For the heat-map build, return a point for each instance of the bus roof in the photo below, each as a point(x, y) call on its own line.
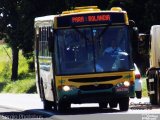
point(90, 9)
point(44, 21)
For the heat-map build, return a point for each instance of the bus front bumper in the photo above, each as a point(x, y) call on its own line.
point(76, 95)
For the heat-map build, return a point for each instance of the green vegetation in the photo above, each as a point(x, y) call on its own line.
point(144, 87)
point(25, 83)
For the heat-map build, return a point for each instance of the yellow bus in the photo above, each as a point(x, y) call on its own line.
point(76, 63)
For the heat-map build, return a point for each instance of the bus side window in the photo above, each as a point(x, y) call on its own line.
point(43, 43)
point(50, 39)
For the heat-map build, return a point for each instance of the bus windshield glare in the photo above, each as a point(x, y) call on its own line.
point(92, 50)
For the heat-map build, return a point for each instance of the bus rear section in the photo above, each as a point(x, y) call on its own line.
point(77, 63)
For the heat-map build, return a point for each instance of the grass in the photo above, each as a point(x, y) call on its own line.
point(25, 83)
point(5, 63)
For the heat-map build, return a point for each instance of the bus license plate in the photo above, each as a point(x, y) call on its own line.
point(122, 89)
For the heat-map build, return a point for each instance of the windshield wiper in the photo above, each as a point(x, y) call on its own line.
point(103, 31)
point(83, 35)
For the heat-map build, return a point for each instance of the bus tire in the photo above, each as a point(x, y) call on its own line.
point(155, 98)
point(47, 105)
point(124, 104)
point(63, 106)
point(139, 94)
point(60, 107)
point(152, 97)
point(113, 104)
point(103, 105)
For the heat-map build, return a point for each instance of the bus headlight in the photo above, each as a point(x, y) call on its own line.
point(126, 83)
point(66, 88)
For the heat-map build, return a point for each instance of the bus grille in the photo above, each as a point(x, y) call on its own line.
point(96, 87)
point(95, 79)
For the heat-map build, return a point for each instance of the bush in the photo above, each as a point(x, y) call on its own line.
point(5, 72)
point(21, 86)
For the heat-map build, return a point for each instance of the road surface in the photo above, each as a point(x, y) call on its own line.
point(28, 106)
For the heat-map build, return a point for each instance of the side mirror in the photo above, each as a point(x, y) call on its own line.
point(51, 40)
point(133, 27)
point(134, 32)
point(132, 23)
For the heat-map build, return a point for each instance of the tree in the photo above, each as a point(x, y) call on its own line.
point(17, 25)
point(12, 31)
point(151, 14)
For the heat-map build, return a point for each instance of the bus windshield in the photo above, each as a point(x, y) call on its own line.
point(92, 49)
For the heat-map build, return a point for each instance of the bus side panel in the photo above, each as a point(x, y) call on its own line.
point(44, 62)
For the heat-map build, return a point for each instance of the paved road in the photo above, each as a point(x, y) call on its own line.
point(29, 106)
point(12, 113)
point(21, 106)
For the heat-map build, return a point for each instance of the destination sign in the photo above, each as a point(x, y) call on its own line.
point(90, 19)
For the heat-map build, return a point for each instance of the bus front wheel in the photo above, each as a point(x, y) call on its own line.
point(124, 104)
point(47, 105)
point(113, 104)
point(103, 105)
point(62, 106)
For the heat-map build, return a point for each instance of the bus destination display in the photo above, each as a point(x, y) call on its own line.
point(90, 19)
